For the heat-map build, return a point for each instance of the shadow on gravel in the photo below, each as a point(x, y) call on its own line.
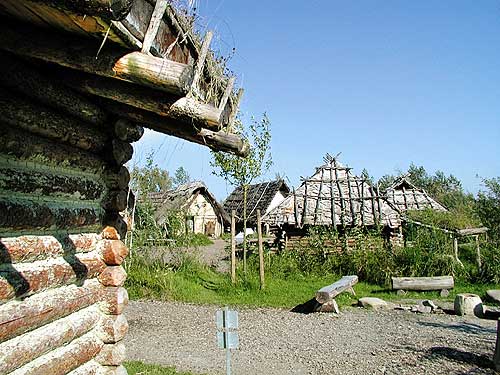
point(306, 307)
point(461, 356)
point(461, 327)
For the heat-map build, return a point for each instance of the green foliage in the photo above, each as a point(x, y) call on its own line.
point(181, 176)
point(139, 368)
point(488, 208)
point(451, 220)
point(150, 178)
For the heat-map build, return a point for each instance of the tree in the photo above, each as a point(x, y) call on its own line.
point(181, 176)
point(488, 207)
point(240, 171)
point(150, 178)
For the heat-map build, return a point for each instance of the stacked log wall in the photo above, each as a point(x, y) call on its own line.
point(62, 186)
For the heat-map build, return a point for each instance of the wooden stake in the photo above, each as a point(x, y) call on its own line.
point(478, 253)
point(154, 25)
point(261, 252)
point(227, 93)
point(233, 246)
point(200, 63)
point(234, 111)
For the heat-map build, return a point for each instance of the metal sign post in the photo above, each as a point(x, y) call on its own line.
point(227, 333)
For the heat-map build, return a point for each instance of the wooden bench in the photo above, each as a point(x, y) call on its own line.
point(329, 292)
point(442, 283)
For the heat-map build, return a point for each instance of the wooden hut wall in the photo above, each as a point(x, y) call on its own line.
point(62, 184)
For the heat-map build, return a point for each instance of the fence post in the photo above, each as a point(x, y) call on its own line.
point(233, 247)
point(261, 251)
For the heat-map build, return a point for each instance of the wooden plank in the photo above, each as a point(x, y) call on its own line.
point(329, 292)
point(423, 283)
point(113, 62)
point(107, 9)
point(200, 62)
point(227, 93)
point(154, 25)
point(25, 348)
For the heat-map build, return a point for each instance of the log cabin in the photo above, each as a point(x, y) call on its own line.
point(80, 81)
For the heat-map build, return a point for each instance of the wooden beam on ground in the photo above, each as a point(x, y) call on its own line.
point(423, 283)
point(185, 109)
point(154, 24)
point(218, 141)
point(113, 62)
point(24, 78)
point(107, 9)
point(329, 292)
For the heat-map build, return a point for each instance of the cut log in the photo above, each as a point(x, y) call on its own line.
point(18, 317)
point(114, 62)
point(122, 151)
point(113, 276)
point(187, 110)
point(115, 300)
point(127, 131)
point(32, 248)
point(51, 183)
point(107, 9)
point(89, 368)
point(25, 348)
point(20, 76)
point(112, 354)
point(28, 147)
point(114, 219)
point(24, 279)
point(113, 252)
point(62, 360)
point(423, 283)
point(115, 200)
point(112, 328)
point(218, 141)
point(329, 292)
point(468, 304)
point(117, 180)
point(113, 370)
point(23, 114)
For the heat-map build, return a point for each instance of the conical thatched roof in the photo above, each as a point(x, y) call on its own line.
point(405, 196)
point(334, 196)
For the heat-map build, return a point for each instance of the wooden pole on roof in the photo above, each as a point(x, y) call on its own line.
point(261, 252)
point(200, 63)
point(227, 93)
point(154, 25)
point(332, 199)
point(341, 195)
point(351, 201)
point(234, 111)
point(233, 246)
point(316, 210)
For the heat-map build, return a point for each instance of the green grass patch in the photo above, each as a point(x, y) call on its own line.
point(139, 368)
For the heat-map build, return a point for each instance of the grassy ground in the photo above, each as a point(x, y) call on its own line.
point(139, 368)
point(197, 284)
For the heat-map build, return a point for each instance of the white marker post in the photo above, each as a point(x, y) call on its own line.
point(227, 333)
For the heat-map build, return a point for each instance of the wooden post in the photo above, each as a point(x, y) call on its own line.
point(455, 250)
point(154, 24)
point(496, 358)
point(261, 251)
point(233, 247)
point(478, 253)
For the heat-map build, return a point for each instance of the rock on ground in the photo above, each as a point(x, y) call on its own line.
point(494, 294)
point(276, 341)
point(373, 303)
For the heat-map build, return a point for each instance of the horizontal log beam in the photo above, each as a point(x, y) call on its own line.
point(113, 252)
point(112, 354)
point(21, 214)
point(32, 248)
point(329, 292)
point(218, 141)
point(89, 368)
point(18, 317)
point(423, 283)
point(25, 78)
point(24, 279)
point(113, 276)
point(107, 9)
point(24, 114)
point(186, 109)
point(25, 348)
point(62, 360)
point(113, 62)
point(114, 301)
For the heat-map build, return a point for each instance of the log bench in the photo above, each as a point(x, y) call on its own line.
point(442, 283)
point(325, 296)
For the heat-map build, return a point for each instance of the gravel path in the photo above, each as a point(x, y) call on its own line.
point(274, 341)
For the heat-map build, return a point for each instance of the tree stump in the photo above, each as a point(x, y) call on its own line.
point(468, 304)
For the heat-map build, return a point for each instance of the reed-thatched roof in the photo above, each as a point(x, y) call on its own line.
point(405, 196)
point(181, 198)
point(334, 196)
point(259, 197)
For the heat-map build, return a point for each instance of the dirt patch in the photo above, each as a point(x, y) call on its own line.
point(275, 341)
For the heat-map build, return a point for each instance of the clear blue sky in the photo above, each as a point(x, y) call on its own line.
point(386, 83)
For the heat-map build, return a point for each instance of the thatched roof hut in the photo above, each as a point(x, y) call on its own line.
point(263, 196)
point(196, 203)
point(334, 196)
point(405, 196)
